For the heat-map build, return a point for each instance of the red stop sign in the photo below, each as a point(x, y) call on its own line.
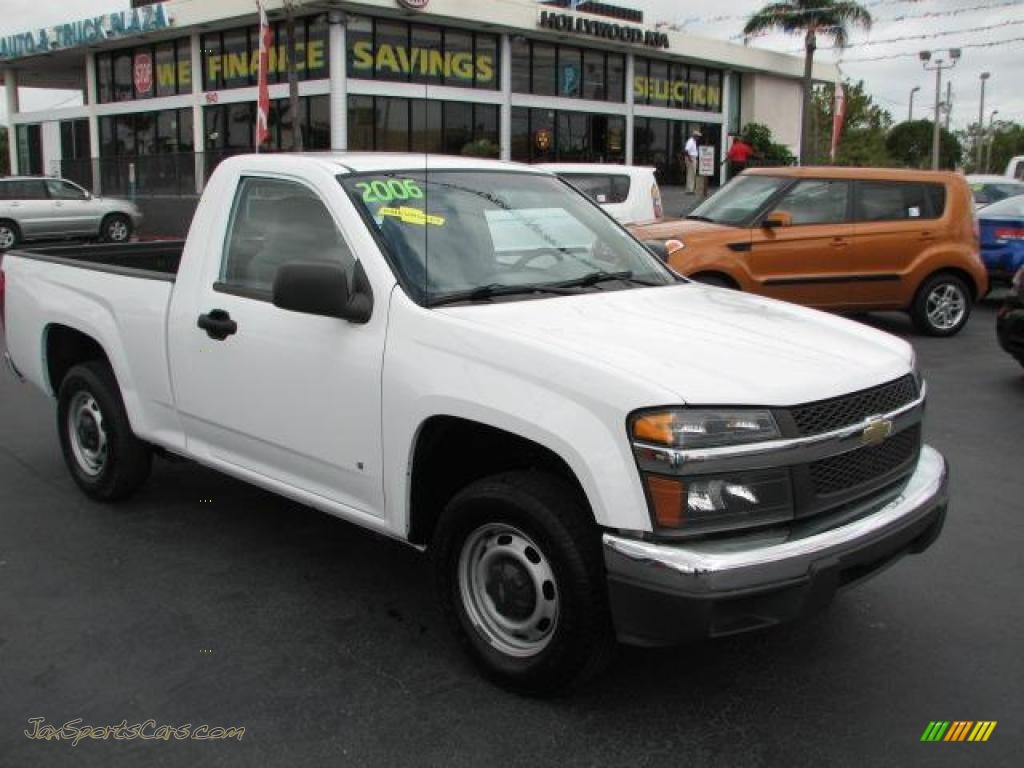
point(143, 70)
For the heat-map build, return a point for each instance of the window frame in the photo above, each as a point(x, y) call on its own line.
point(796, 182)
point(928, 197)
point(220, 284)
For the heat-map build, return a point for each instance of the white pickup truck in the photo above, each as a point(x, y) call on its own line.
point(471, 357)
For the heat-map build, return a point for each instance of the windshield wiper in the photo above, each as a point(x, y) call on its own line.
point(485, 292)
point(593, 278)
point(700, 218)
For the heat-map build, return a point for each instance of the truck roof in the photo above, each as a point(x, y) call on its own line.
point(361, 162)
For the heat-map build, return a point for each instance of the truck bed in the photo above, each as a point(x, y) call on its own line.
point(156, 260)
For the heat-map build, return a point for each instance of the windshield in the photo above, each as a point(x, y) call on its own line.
point(737, 202)
point(1010, 207)
point(474, 235)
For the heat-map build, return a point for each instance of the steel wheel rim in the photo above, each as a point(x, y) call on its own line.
point(87, 434)
point(6, 237)
point(946, 306)
point(508, 590)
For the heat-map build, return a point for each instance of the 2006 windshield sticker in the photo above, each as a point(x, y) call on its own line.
point(386, 191)
point(409, 215)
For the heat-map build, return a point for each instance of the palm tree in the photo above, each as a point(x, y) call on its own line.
point(832, 18)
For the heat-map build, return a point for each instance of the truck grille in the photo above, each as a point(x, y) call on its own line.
point(838, 412)
point(849, 470)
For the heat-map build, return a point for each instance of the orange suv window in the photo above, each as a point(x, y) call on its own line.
point(899, 200)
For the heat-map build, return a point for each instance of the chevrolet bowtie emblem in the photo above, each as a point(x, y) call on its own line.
point(876, 431)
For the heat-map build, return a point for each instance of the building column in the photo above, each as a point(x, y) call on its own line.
point(11, 93)
point(91, 100)
point(339, 82)
point(198, 120)
point(630, 70)
point(505, 111)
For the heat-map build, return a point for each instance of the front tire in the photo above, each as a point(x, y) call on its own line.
point(942, 305)
point(107, 461)
point(116, 228)
point(520, 577)
point(10, 235)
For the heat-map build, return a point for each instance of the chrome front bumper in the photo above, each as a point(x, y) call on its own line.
point(663, 593)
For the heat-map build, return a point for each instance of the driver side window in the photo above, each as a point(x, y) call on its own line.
point(816, 201)
point(276, 222)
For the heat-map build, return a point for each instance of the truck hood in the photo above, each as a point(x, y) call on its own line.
point(706, 345)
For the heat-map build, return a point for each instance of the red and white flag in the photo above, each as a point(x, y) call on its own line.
point(838, 115)
point(263, 87)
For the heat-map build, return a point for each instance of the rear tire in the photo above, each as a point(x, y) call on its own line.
point(107, 461)
point(942, 305)
point(116, 228)
point(520, 578)
point(10, 235)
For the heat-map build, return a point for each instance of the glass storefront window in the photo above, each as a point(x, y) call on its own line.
point(426, 126)
point(697, 90)
point(319, 131)
point(677, 94)
point(124, 88)
point(186, 142)
point(390, 38)
point(573, 136)
point(392, 124)
point(458, 55)
point(235, 59)
point(542, 135)
point(570, 72)
point(680, 86)
point(520, 64)
point(658, 85)
point(486, 60)
point(399, 51)
point(165, 71)
point(458, 126)
point(616, 77)
point(104, 78)
point(594, 75)
point(183, 65)
point(361, 123)
point(213, 72)
point(543, 69)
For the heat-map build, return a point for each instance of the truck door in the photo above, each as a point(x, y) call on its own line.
point(291, 397)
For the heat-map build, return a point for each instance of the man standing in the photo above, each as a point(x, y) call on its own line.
point(738, 156)
point(691, 153)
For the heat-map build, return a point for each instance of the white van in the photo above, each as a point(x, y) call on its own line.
point(629, 193)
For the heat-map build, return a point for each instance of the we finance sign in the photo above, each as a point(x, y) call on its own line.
point(95, 29)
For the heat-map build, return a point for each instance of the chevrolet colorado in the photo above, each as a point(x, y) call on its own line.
point(472, 357)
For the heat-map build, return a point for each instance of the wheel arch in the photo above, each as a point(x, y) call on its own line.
point(449, 452)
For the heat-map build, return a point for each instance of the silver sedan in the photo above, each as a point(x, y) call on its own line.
point(35, 208)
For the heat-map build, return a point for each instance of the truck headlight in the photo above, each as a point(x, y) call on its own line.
point(702, 504)
point(703, 428)
point(705, 504)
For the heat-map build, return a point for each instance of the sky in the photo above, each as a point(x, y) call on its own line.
point(947, 23)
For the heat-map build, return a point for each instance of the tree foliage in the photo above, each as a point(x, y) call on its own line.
point(862, 138)
point(910, 145)
point(766, 150)
point(831, 19)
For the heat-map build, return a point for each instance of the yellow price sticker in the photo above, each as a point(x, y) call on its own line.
point(409, 215)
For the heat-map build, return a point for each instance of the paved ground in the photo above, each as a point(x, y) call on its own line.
point(324, 643)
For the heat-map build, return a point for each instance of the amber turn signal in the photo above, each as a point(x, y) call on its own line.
point(667, 495)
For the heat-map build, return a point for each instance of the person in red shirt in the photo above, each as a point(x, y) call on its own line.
point(738, 156)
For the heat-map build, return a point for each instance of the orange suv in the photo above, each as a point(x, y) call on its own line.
point(843, 239)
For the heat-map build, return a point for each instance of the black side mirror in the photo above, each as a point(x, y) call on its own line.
point(322, 289)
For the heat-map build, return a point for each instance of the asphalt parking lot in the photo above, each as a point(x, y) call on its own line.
point(206, 601)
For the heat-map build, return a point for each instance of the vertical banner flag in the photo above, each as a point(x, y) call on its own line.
point(838, 114)
point(263, 88)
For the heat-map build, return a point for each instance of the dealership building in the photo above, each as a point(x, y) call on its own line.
point(169, 89)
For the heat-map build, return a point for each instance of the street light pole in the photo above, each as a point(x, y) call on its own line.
point(925, 56)
point(910, 113)
point(991, 139)
point(981, 121)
